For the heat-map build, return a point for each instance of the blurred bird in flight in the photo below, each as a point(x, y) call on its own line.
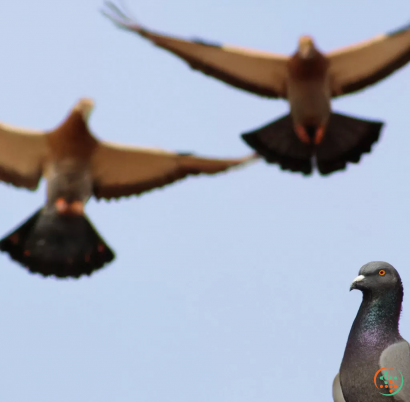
point(312, 134)
point(59, 239)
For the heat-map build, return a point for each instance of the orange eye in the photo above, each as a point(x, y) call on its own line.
point(382, 272)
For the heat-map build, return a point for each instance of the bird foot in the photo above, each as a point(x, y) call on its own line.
point(73, 208)
point(320, 132)
point(302, 134)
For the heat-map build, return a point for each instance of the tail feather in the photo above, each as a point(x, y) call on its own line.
point(346, 140)
point(61, 245)
point(278, 143)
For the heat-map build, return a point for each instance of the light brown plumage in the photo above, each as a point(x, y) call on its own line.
point(22, 154)
point(350, 69)
point(116, 170)
point(308, 79)
point(121, 171)
point(356, 67)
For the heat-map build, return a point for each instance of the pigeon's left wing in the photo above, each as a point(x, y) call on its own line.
point(397, 356)
point(261, 73)
point(356, 67)
point(120, 171)
point(337, 390)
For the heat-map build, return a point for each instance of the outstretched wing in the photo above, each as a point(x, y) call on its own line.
point(356, 67)
point(258, 72)
point(120, 171)
point(22, 152)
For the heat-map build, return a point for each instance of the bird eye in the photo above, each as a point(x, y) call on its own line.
point(382, 272)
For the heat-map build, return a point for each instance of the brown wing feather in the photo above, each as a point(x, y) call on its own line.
point(357, 67)
point(22, 153)
point(257, 72)
point(121, 171)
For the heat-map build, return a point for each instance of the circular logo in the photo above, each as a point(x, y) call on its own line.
point(389, 381)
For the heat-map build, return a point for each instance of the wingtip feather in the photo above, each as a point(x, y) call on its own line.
point(245, 161)
point(120, 17)
point(399, 30)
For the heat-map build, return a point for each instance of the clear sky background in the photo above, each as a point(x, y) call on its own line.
point(232, 288)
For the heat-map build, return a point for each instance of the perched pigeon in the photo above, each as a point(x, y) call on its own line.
point(59, 239)
point(308, 80)
point(376, 361)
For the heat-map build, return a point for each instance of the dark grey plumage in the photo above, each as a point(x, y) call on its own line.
point(374, 341)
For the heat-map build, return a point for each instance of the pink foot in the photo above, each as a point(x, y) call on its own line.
point(302, 134)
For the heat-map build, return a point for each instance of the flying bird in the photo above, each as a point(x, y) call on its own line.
point(375, 352)
point(311, 134)
point(59, 239)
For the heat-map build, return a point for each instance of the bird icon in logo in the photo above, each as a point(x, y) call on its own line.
point(389, 380)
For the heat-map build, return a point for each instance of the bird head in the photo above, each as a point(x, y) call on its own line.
point(84, 106)
point(376, 277)
point(306, 47)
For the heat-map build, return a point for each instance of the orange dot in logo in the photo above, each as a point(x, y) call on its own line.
point(391, 381)
point(391, 386)
point(381, 386)
point(386, 386)
point(391, 391)
point(395, 386)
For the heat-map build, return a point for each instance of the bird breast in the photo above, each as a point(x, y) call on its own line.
point(308, 89)
point(309, 100)
point(69, 179)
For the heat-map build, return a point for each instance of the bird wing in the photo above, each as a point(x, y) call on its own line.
point(337, 390)
point(120, 171)
point(261, 73)
point(356, 67)
point(22, 153)
point(397, 356)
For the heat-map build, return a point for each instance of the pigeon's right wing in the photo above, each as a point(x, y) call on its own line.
point(261, 73)
point(337, 390)
point(397, 356)
point(22, 153)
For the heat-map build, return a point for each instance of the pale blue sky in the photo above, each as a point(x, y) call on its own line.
point(225, 289)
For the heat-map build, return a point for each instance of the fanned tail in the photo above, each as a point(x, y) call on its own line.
point(54, 244)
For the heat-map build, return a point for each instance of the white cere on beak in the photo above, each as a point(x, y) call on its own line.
point(358, 279)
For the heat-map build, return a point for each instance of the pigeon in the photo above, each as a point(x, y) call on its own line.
point(311, 136)
point(58, 239)
point(376, 361)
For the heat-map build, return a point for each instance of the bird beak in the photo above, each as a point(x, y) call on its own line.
point(85, 107)
point(356, 281)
